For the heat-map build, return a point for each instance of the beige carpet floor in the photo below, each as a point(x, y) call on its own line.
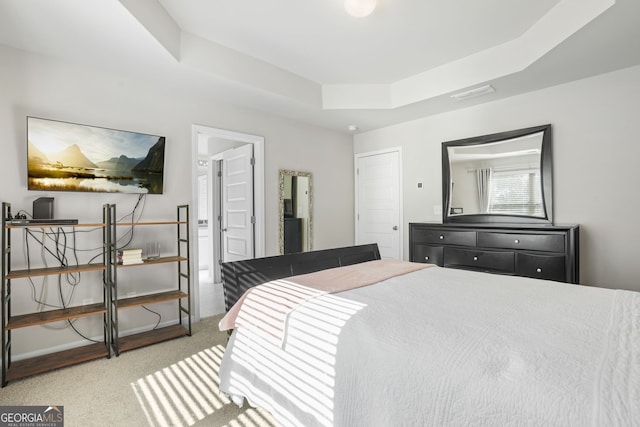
point(174, 383)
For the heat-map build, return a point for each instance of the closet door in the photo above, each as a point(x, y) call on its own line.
point(378, 201)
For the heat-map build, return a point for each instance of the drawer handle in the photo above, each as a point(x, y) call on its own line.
point(426, 258)
point(538, 270)
point(441, 237)
point(516, 241)
point(475, 258)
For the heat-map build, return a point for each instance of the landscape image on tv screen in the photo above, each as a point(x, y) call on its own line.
point(72, 157)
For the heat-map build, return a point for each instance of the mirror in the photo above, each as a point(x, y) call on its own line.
point(295, 212)
point(503, 177)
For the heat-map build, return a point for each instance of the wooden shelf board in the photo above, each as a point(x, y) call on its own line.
point(133, 224)
point(150, 299)
point(48, 362)
point(49, 316)
point(160, 260)
point(53, 225)
point(142, 339)
point(19, 274)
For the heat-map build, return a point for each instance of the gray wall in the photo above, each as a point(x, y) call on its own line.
point(596, 169)
point(33, 85)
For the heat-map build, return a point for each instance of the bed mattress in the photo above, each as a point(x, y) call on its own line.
point(446, 347)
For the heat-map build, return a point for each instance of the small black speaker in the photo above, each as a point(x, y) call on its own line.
point(43, 208)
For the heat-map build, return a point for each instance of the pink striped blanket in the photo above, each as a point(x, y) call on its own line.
point(267, 306)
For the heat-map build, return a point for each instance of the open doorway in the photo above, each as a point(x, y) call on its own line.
point(209, 144)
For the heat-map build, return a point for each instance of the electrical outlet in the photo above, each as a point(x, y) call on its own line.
point(437, 209)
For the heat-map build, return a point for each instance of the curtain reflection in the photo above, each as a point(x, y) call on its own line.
point(484, 188)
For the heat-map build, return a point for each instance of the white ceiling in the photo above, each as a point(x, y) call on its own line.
point(320, 42)
point(310, 61)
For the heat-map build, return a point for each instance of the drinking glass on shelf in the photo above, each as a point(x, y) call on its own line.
point(152, 250)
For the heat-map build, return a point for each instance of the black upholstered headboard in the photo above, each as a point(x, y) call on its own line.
point(238, 276)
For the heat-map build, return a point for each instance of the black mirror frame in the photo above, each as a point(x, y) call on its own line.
point(545, 172)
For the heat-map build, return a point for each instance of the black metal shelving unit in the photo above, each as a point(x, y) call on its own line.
point(113, 342)
point(181, 294)
point(12, 370)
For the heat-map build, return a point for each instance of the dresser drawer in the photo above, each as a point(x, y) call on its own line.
point(495, 261)
point(428, 254)
point(549, 267)
point(532, 242)
point(444, 237)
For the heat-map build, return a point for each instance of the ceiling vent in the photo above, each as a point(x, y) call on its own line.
point(479, 91)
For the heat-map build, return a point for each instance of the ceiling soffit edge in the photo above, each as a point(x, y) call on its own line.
point(565, 19)
point(152, 16)
point(228, 64)
point(219, 61)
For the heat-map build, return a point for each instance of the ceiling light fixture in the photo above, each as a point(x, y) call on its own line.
point(479, 91)
point(360, 8)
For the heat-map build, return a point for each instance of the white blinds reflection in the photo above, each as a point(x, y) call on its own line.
point(516, 192)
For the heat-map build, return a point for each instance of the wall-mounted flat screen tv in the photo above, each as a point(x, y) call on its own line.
point(73, 157)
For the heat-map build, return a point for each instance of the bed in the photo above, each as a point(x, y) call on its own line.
point(425, 345)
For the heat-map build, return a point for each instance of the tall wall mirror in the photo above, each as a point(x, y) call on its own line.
point(503, 177)
point(295, 213)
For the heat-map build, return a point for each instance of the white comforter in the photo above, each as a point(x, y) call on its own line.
point(445, 347)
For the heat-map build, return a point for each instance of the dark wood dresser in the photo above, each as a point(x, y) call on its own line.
point(543, 252)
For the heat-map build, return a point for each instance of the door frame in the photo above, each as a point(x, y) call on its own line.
point(258, 195)
point(356, 158)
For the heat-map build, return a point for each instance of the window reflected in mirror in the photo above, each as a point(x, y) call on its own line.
point(497, 178)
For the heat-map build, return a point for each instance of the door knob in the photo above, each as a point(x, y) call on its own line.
point(395, 227)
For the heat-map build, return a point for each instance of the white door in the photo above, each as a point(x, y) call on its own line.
point(237, 204)
point(215, 217)
point(379, 202)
